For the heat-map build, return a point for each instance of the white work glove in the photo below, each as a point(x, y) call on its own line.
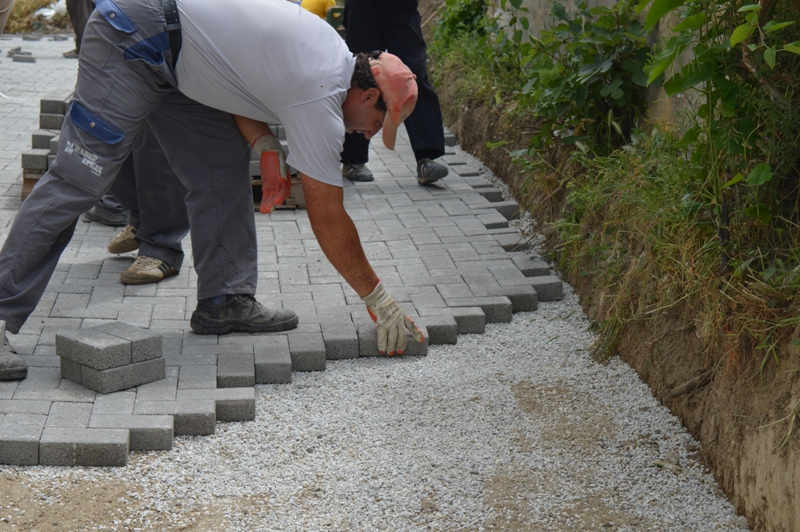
point(276, 183)
point(392, 322)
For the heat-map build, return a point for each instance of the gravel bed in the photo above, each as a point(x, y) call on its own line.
point(516, 429)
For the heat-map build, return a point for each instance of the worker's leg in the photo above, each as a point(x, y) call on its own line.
point(113, 97)
point(79, 12)
point(364, 34)
point(162, 199)
point(213, 164)
point(206, 150)
point(401, 22)
point(5, 11)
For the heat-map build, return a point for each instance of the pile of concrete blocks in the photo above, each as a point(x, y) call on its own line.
point(110, 357)
point(44, 141)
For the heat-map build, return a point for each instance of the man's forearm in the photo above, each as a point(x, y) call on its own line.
point(337, 235)
point(251, 129)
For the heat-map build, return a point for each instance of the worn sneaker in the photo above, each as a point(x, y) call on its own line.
point(12, 366)
point(124, 241)
point(146, 270)
point(114, 219)
point(429, 172)
point(240, 313)
point(357, 172)
point(72, 54)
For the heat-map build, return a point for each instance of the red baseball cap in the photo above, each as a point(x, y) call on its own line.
point(398, 86)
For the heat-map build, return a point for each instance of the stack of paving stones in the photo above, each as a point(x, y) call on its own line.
point(110, 357)
point(446, 252)
point(44, 141)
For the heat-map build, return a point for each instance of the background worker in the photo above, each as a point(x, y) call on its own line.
point(318, 7)
point(314, 87)
point(158, 221)
point(79, 12)
point(5, 11)
point(395, 27)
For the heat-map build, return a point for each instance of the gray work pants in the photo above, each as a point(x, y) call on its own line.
point(148, 187)
point(125, 80)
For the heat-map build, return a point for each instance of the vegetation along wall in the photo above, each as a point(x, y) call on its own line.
point(656, 142)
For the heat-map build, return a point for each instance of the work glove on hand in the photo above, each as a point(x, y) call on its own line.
point(276, 183)
point(392, 322)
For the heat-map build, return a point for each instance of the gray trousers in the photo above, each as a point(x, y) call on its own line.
point(148, 187)
point(125, 81)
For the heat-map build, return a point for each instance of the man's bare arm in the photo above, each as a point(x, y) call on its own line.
point(251, 129)
point(337, 235)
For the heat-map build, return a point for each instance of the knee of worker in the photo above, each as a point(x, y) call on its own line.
point(54, 204)
point(91, 151)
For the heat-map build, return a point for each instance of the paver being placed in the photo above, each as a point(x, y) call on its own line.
point(449, 253)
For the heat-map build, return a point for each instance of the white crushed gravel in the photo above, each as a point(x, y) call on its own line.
point(516, 429)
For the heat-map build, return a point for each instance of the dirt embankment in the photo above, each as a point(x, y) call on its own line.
point(741, 420)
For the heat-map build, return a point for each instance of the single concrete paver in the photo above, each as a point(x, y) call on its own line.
point(446, 252)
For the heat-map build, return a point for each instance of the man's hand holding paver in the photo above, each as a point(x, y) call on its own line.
point(392, 322)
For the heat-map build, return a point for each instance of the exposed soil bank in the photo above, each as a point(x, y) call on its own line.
point(726, 407)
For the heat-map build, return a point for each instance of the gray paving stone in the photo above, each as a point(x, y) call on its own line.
point(35, 159)
point(341, 341)
point(308, 351)
point(493, 220)
point(548, 287)
point(491, 194)
point(18, 58)
point(84, 447)
point(51, 120)
point(512, 241)
point(236, 370)
point(530, 267)
point(53, 105)
point(197, 377)
point(164, 390)
point(69, 415)
point(147, 433)
point(509, 209)
point(94, 349)
point(441, 329)
point(19, 438)
point(79, 395)
point(71, 370)
point(496, 309)
point(40, 139)
point(145, 345)
point(24, 406)
point(7, 389)
point(232, 404)
point(190, 417)
point(123, 377)
point(273, 362)
point(469, 320)
point(118, 403)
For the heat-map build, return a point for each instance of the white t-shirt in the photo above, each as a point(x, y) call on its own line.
point(270, 60)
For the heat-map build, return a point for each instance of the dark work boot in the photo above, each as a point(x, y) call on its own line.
point(12, 366)
point(357, 172)
point(240, 313)
point(429, 172)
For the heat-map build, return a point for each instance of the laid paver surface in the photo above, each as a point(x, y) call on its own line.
point(445, 252)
